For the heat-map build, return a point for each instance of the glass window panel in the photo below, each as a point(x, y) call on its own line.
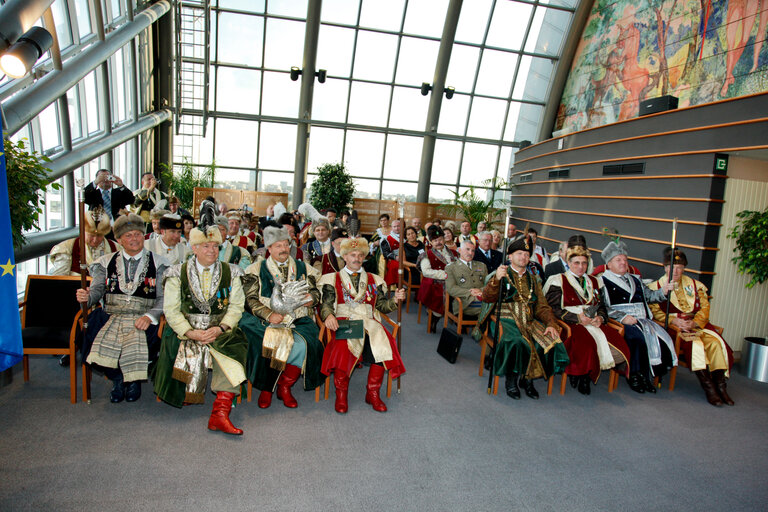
point(238, 90)
point(285, 44)
point(512, 116)
point(445, 163)
point(369, 104)
point(496, 72)
point(403, 157)
point(547, 31)
point(510, 20)
point(243, 5)
point(92, 103)
point(441, 194)
point(461, 70)
point(505, 163)
point(363, 153)
point(375, 56)
point(53, 209)
point(367, 189)
point(325, 147)
point(83, 13)
point(49, 127)
point(334, 50)
point(473, 20)
point(409, 109)
point(478, 164)
point(417, 61)
point(562, 3)
point(453, 115)
point(61, 20)
point(197, 150)
point(383, 15)
point(281, 95)
point(399, 191)
point(528, 122)
point(533, 79)
point(425, 17)
point(236, 142)
point(233, 31)
point(277, 147)
point(487, 118)
point(276, 182)
point(73, 102)
point(330, 100)
point(115, 9)
point(238, 179)
point(340, 11)
point(117, 80)
point(295, 8)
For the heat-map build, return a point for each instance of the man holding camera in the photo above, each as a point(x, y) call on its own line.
point(148, 196)
point(108, 190)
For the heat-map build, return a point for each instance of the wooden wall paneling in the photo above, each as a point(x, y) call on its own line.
point(369, 210)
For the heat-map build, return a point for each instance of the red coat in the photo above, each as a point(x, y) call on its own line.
point(432, 291)
point(390, 274)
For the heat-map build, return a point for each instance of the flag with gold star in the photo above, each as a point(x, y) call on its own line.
point(10, 334)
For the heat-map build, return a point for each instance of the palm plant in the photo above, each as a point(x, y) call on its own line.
point(474, 208)
point(184, 179)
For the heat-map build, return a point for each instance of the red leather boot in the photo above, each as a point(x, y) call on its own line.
point(287, 379)
point(220, 414)
point(375, 376)
point(265, 399)
point(341, 383)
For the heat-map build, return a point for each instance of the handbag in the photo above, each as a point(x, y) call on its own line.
point(449, 345)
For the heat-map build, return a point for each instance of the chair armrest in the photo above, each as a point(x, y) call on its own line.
point(565, 329)
point(616, 325)
point(392, 324)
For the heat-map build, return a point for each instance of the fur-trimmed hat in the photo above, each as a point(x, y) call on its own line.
point(221, 220)
point(434, 232)
point(521, 244)
point(577, 250)
point(680, 257)
point(97, 222)
point(157, 213)
point(126, 223)
point(171, 221)
point(273, 234)
point(354, 244)
point(211, 234)
point(612, 250)
point(234, 214)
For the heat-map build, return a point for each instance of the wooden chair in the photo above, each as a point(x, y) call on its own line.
point(460, 320)
point(679, 352)
point(613, 376)
point(429, 316)
point(411, 289)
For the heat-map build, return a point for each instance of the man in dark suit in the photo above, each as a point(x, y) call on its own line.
point(491, 258)
point(108, 190)
point(558, 266)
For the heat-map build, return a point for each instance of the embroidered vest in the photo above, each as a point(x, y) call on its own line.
point(219, 302)
point(147, 289)
point(571, 296)
point(370, 293)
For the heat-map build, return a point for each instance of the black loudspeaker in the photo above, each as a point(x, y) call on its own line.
point(660, 104)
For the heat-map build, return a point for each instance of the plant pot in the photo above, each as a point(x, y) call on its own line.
point(755, 362)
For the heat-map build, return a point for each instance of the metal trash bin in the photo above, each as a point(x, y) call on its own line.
point(755, 362)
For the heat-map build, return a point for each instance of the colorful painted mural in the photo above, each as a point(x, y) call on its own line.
point(697, 50)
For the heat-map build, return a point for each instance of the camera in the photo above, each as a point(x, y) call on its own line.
point(111, 178)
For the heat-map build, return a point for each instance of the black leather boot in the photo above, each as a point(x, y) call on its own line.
point(117, 394)
point(132, 391)
point(636, 383)
point(584, 387)
point(650, 387)
point(530, 391)
point(513, 390)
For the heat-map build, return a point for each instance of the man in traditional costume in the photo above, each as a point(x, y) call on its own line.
point(318, 252)
point(359, 296)
point(155, 215)
point(530, 347)
point(592, 346)
point(709, 355)
point(121, 337)
point(651, 350)
point(65, 256)
point(235, 235)
point(390, 246)
point(252, 230)
point(169, 244)
point(229, 253)
point(432, 263)
point(465, 279)
point(148, 197)
point(465, 233)
point(281, 294)
point(204, 303)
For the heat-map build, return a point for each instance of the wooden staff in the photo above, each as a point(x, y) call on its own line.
point(83, 260)
point(400, 254)
point(492, 355)
point(671, 268)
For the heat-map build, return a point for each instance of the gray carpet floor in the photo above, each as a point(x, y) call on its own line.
point(444, 445)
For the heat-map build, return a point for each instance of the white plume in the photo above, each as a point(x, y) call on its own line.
point(309, 212)
point(279, 210)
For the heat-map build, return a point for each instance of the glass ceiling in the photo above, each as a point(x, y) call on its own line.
point(370, 113)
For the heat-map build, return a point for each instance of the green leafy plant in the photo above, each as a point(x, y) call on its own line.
point(28, 178)
point(751, 235)
point(182, 181)
point(474, 208)
point(333, 188)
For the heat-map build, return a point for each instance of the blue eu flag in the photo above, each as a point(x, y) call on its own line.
point(10, 334)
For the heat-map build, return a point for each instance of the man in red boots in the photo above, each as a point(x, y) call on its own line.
point(204, 304)
point(358, 298)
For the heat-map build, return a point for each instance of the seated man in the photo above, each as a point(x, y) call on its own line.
point(592, 345)
point(281, 294)
point(169, 244)
point(65, 256)
point(121, 337)
point(651, 350)
point(707, 352)
point(465, 279)
point(148, 197)
point(390, 246)
point(154, 218)
point(234, 233)
point(174, 206)
point(557, 265)
point(357, 295)
point(204, 302)
point(252, 230)
point(229, 253)
point(286, 220)
point(489, 257)
point(318, 252)
point(466, 233)
point(432, 263)
point(530, 347)
point(539, 254)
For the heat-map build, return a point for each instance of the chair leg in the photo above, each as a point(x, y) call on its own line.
point(672, 378)
point(327, 386)
point(72, 377)
point(482, 357)
point(418, 318)
point(496, 385)
point(562, 384)
point(86, 383)
point(611, 383)
point(429, 320)
point(389, 385)
point(408, 301)
point(25, 365)
point(249, 387)
point(550, 381)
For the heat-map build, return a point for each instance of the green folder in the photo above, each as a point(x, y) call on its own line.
point(350, 329)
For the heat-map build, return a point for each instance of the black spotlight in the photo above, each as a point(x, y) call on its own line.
point(449, 92)
point(425, 88)
point(22, 55)
point(295, 72)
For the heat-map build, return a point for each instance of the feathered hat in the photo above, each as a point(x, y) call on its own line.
point(318, 219)
point(279, 210)
point(355, 242)
point(207, 230)
point(97, 222)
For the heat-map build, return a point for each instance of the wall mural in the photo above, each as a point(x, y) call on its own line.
point(697, 50)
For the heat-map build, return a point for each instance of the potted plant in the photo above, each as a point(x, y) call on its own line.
point(27, 177)
point(474, 208)
point(333, 188)
point(183, 181)
point(751, 235)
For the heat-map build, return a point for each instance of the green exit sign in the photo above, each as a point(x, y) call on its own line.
point(721, 163)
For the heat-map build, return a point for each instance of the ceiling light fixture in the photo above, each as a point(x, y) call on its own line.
point(17, 60)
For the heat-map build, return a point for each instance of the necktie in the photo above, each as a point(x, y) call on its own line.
point(488, 255)
point(206, 284)
point(107, 199)
point(132, 264)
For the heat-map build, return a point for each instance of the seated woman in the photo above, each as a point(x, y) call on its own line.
point(706, 351)
point(450, 239)
point(496, 240)
point(382, 231)
point(592, 346)
point(413, 247)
